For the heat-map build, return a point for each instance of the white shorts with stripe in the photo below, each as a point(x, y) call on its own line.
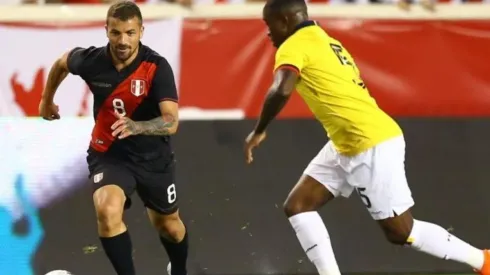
point(378, 175)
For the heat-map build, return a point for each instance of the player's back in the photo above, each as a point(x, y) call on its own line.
point(331, 86)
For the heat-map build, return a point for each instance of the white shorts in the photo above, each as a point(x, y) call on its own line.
point(378, 175)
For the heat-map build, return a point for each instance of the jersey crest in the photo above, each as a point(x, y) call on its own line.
point(138, 87)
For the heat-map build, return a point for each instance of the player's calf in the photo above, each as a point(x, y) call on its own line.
point(397, 229)
point(169, 226)
point(432, 239)
point(300, 207)
point(174, 238)
point(109, 206)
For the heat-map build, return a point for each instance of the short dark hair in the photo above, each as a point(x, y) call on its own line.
point(281, 5)
point(124, 10)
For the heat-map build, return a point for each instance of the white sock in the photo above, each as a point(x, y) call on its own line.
point(437, 241)
point(313, 237)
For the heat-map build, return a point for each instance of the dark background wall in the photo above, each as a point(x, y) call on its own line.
point(234, 213)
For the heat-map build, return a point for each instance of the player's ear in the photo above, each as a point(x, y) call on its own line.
point(285, 20)
point(106, 31)
point(142, 31)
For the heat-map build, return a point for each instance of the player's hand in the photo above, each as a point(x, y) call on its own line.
point(49, 110)
point(253, 140)
point(124, 127)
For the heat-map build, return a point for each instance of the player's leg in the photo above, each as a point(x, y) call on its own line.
point(159, 194)
point(321, 182)
point(433, 240)
point(174, 238)
point(382, 184)
point(111, 184)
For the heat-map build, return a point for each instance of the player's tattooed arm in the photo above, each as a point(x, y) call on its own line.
point(164, 125)
point(285, 80)
point(160, 126)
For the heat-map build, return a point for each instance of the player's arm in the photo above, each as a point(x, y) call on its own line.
point(290, 60)
point(285, 79)
point(165, 125)
point(58, 72)
point(69, 62)
point(163, 91)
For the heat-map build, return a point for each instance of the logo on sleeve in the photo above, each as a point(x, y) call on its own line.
point(98, 177)
point(138, 87)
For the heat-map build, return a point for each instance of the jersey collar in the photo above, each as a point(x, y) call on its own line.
point(305, 24)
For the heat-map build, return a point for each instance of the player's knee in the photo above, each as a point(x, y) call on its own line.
point(109, 215)
point(307, 195)
point(170, 226)
point(109, 209)
point(174, 231)
point(398, 229)
point(397, 237)
point(293, 207)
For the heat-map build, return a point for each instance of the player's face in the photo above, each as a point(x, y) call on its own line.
point(124, 37)
point(278, 28)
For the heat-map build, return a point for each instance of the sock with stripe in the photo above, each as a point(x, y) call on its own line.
point(437, 241)
point(315, 241)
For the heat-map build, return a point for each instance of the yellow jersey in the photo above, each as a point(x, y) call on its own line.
point(331, 86)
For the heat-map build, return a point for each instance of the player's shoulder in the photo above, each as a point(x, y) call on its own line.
point(298, 42)
point(290, 44)
point(82, 61)
point(87, 53)
point(152, 56)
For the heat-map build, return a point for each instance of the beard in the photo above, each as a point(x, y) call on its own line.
point(123, 53)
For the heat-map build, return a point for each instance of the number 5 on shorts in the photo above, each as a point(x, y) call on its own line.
point(363, 196)
point(171, 193)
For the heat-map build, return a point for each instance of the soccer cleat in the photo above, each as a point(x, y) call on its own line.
point(485, 270)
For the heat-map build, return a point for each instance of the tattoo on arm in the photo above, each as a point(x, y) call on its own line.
point(160, 126)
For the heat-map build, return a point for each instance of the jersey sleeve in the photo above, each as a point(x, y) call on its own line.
point(78, 60)
point(291, 56)
point(163, 86)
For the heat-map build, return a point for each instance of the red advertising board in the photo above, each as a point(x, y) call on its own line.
point(412, 67)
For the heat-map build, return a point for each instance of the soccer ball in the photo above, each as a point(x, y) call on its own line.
point(59, 272)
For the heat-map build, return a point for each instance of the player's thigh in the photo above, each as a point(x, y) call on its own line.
point(157, 188)
point(325, 168)
point(321, 181)
point(112, 183)
point(379, 177)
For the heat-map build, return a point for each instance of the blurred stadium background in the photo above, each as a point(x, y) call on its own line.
point(425, 61)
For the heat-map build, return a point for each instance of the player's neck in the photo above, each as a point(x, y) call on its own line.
point(300, 19)
point(120, 65)
point(297, 20)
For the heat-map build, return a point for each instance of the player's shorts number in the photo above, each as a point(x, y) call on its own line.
point(365, 199)
point(171, 193)
point(118, 105)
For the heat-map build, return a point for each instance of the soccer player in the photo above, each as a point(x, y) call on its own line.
point(366, 150)
point(136, 113)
